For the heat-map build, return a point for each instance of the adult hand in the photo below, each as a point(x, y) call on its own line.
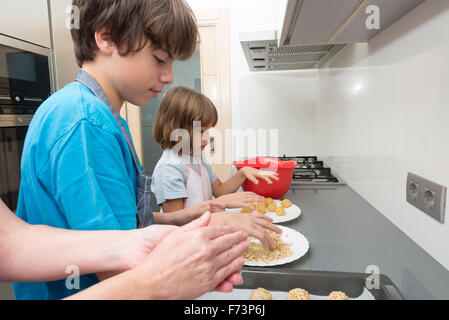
point(133, 247)
point(195, 259)
point(254, 224)
point(240, 199)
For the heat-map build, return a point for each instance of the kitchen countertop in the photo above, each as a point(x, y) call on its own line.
point(348, 234)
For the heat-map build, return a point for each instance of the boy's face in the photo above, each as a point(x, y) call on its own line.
point(140, 76)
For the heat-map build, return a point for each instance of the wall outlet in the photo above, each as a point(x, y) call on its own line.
point(427, 196)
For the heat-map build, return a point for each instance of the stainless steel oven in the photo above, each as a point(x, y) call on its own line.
point(25, 82)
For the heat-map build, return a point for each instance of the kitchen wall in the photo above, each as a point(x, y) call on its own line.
point(382, 111)
point(376, 111)
point(267, 100)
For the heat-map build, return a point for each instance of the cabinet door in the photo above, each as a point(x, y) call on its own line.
point(26, 20)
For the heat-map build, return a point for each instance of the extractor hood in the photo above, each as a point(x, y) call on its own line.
point(315, 30)
point(263, 54)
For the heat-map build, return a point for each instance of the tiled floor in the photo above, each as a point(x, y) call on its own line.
point(6, 292)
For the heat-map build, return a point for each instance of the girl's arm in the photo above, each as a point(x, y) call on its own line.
point(234, 183)
point(175, 213)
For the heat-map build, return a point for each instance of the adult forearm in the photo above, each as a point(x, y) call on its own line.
point(42, 253)
point(127, 285)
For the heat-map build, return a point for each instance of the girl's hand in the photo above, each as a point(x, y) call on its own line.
point(254, 224)
point(239, 199)
point(253, 174)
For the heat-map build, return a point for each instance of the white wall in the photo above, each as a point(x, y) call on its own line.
point(267, 100)
point(378, 111)
point(383, 111)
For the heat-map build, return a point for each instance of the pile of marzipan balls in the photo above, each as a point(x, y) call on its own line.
point(294, 294)
point(269, 204)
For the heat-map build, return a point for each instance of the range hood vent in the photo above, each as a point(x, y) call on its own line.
point(314, 30)
point(263, 54)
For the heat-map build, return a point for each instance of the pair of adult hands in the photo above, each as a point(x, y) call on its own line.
point(201, 256)
point(185, 262)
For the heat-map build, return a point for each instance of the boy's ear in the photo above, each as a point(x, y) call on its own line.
point(104, 42)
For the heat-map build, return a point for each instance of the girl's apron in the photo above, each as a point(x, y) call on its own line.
point(198, 185)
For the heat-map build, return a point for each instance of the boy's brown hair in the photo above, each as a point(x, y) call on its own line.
point(169, 25)
point(180, 107)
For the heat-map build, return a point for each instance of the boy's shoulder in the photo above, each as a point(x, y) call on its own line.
point(68, 106)
point(75, 101)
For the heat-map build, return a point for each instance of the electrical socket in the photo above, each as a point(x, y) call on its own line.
point(427, 196)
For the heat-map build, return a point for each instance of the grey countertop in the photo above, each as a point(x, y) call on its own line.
point(348, 234)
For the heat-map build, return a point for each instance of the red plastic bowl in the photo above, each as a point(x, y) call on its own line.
point(277, 189)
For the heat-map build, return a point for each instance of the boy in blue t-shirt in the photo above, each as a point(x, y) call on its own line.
point(78, 169)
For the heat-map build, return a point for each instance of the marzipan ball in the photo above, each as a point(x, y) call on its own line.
point(246, 210)
point(260, 294)
point(280, 211)
point(272, 207)
point(298, 294)
point(261, 207)
point(338, 295)
point(286, 203)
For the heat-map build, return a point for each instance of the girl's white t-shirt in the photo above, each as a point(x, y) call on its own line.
point(170, 175)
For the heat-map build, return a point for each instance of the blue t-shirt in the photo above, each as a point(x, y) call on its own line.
point(77, 173)
point(170, 176)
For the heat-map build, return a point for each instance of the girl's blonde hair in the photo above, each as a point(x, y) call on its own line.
point(180, 107)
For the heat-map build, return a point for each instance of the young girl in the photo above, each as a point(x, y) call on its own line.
point(183, 177)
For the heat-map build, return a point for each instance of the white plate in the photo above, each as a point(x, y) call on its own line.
point(299, 247)
point(291, 213)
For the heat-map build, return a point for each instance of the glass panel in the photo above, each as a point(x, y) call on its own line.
point(22, 67)
point(186, 73)
point(11, 146)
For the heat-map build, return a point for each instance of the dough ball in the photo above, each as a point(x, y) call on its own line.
point(246, 210)
point(260, 294)
point(286, 203)
point(298, 294)
point(280, 211)
point(272, 207)
point(252, 205)
point(261, 209)
point(268, 201)
point(338, 295)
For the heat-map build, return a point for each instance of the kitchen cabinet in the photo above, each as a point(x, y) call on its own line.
point(26, 20)
point(66, 68)
point(314, 21)
point(343, 21)
point(313, 31)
